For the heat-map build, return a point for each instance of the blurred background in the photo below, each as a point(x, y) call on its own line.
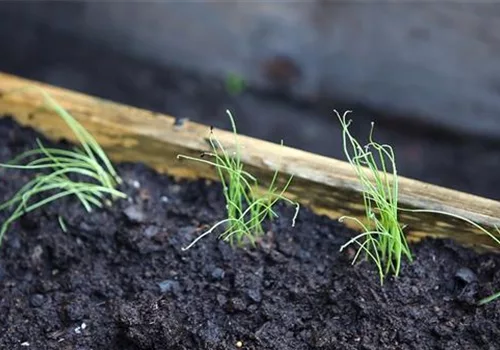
point(427, 73)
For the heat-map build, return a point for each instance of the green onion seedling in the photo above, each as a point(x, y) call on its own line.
point(382, 239)
point(62, 224)
point(246, 207)
point(88, 162)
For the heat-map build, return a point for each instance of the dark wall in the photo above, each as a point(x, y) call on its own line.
point(41, 51)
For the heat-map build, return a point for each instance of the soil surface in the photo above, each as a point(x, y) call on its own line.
point(118, 278)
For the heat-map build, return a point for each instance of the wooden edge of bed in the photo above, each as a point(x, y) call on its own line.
point(326, 185)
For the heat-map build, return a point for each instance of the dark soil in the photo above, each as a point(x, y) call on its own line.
point(118, 279)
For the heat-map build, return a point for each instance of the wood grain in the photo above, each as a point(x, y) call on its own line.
point(327, 185)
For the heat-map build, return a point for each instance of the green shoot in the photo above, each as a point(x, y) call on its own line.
point(382, 240)
point(59, 167)
point(246, 208)
point(62, 224)
point(489, 299)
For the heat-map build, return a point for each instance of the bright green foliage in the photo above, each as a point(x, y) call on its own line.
point(489, 299)
point(59, 167)
point(382, 239)
point(246, 207)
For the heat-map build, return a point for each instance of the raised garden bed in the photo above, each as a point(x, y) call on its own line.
point(119, 279)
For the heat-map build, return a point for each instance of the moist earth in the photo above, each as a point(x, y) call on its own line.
point(119, 279)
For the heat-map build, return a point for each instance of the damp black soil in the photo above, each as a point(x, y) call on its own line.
point(118, 279)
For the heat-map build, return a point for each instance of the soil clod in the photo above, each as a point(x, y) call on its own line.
point(135, 214)
point(170, 286)
point(466, 275)
point(37, 300)
point(218, 274)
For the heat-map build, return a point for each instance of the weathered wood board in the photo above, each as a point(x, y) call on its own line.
point(327, 185)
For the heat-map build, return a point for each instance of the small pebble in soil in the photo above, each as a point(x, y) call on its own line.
point(239, 344)
point(254, 295)
point(37, 300)
point(320, 268)
point(135, 214)
point(175, 188)
point(79, 329)
point(218, 274)
point(221, 300)
point(466, 275)
point(151, 231)
point(170, 286)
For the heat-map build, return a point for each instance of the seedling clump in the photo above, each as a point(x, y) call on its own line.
point(382, 239)
point(84, 172)
point(246, 206)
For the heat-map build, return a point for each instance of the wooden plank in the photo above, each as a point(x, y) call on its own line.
point(327, 185)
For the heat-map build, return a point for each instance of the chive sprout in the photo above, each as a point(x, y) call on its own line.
point(59, 169)
point(246, 207)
